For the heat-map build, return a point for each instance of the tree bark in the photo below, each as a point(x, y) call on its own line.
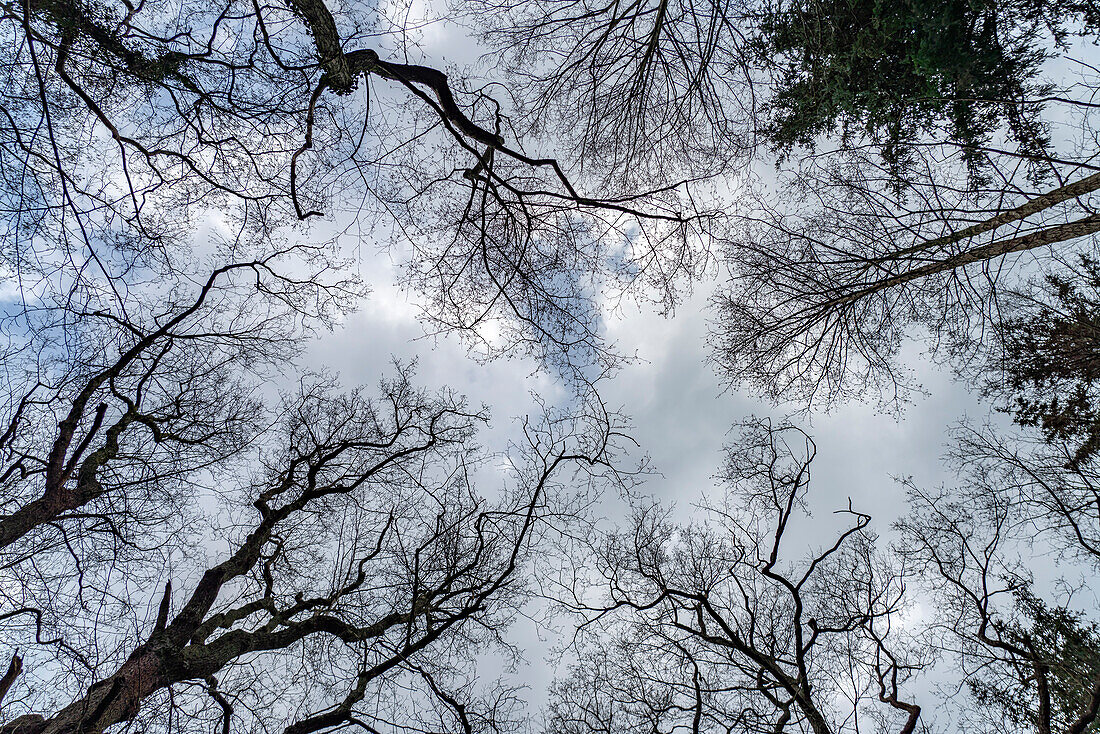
point(110, 701)
point(1048, 236)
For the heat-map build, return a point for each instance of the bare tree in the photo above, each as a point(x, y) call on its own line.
point(1031, 662)
point(339, 568)
point(645, 91)
point(121, 399)
point(100, 397)
point(720, 626)
point(126, 125)
point(357, 565)
point(828, 280)
point(333, 561)
point(945, 170)
point(716, 626)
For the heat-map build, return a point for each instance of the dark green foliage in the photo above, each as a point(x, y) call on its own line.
point(1052, 359)
point(1062, 649)
point(894, 70)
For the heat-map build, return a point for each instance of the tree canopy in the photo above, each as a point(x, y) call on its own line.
point(897, 72)
point(202, 528)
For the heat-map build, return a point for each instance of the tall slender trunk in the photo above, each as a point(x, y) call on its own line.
point(1048, 236)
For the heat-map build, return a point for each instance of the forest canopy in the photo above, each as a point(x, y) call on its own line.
point(204, 527)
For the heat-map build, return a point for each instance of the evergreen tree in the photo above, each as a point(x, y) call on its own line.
point(1052, 358)
point(896, 71)
point(1056, 685)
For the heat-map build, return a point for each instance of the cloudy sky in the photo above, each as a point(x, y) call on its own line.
point(680, 412)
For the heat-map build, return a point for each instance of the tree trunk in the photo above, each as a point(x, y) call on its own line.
point(1048, 236)
point(108, 702)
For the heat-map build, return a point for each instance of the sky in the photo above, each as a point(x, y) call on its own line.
point(680, 412)
point(681, 416)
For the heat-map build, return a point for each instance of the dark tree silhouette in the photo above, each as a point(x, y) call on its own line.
point(1066, 651)
point(1047, 374)
point(356, 565)
point(898, 72)
point(127, 125)
point(1030, 662)
point(723, 626)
